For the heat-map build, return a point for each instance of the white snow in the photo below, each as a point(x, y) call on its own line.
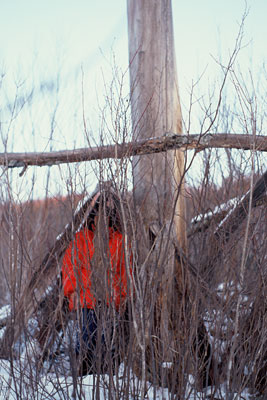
point(4, 312)
point(25, 384)
point(229, 205)
point(22, 380)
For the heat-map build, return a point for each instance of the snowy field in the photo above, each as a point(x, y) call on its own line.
point(54, 380)
point(54, 386)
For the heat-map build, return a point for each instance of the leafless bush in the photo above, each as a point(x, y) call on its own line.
point(203, 325)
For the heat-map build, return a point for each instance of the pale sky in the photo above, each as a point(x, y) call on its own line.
point(63, 48)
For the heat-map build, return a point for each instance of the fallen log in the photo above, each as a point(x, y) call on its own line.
point(202, 222)
point(169, 141)
point(237, 215)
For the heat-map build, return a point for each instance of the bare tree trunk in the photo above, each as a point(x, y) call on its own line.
point(155, 109)
point(158, 178)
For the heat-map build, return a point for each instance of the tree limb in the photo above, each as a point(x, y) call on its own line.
point(170, 141)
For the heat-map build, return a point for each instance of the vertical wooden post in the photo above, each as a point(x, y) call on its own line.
point(158, 178)
point(156, 110)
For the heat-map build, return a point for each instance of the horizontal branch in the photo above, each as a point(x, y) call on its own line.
point(167, 142)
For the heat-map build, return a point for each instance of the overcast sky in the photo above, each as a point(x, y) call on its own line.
point(53, 46)
point(79, 29)
point(41, 39)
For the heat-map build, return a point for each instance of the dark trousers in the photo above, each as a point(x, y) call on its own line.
point(94, 347)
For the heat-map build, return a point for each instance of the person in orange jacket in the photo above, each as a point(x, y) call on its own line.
point(94, 280)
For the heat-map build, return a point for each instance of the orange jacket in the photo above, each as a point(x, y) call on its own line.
point(76, 269)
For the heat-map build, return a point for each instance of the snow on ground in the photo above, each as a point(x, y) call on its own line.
point(21, 380)
point(4, 312)
point(53, 386)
